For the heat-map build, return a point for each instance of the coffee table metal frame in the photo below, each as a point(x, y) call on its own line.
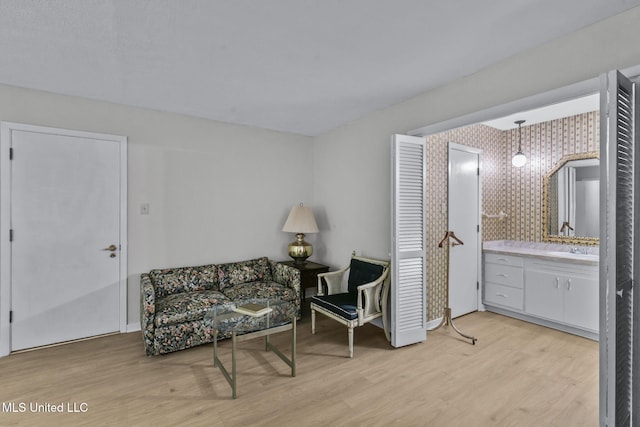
point(239, 336)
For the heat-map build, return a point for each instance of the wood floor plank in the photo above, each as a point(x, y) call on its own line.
point(518, 374)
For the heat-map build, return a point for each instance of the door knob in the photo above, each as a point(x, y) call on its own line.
point(111, 248)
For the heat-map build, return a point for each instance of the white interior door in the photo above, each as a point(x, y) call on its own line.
point(464, 220)
point(619, 246)
point(65, 214)
point(408, 252)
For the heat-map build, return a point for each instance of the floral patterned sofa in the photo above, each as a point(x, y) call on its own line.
point(174, 301)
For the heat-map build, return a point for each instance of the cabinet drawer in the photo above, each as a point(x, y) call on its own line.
point(503, 295)
point(504, 259)
point(504, 275)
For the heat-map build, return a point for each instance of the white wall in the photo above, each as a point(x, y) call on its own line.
point(351, 163)
point(217, 192)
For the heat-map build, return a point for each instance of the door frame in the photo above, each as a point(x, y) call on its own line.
point(6, 129)
point(478, 152)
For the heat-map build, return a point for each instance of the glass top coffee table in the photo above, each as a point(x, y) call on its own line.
point(254, 318)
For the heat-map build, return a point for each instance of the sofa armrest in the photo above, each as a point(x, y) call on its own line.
point(147, 312)
point(287, 276)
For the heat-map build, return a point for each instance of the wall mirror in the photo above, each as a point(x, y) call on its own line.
point(571, 200)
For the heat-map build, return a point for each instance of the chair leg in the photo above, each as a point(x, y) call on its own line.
point(351, 342)
point(313, 321)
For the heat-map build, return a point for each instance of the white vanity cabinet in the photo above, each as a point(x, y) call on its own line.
point(504, 281)
point(562, 294)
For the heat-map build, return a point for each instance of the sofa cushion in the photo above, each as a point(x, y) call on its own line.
point(184, 279)
point(235, 273)
point(268, 289)
point(187, 306)
point(171, 338)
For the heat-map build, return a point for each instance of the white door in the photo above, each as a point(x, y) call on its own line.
point(66, 236)
point(464, 221)
point(619, 247)
point(408, 252)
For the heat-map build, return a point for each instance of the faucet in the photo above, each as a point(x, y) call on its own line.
point(577, 250)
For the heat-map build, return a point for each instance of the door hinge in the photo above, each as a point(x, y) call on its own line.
point(478, 285)
point(11, 316)
point(478, 228)
point(478, 169)
point(11, 235)
point(10, 153)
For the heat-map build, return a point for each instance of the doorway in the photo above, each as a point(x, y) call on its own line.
point(63, 198)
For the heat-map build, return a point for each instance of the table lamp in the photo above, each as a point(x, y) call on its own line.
point(300, 221)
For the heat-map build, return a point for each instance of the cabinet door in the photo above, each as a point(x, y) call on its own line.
point(581, 302)
point(543, 295)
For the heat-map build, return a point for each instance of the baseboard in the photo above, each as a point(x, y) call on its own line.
point(133, 327)
point(433, 323)
point(595, 336)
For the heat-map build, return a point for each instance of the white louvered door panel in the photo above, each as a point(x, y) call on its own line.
point(619, 400)
point(408, 255)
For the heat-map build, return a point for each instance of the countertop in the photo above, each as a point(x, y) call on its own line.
point(588, 255)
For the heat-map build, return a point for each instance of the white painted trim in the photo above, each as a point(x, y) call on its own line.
point(6, 128)
point(554, 96)
point(432, 324)
point(133, 327)
point(585, 333)
point(124, 245)
point(5, 246)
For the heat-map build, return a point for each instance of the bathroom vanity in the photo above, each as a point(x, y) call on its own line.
point(549, 284)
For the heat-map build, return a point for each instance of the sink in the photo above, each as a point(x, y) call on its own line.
point(563, 254)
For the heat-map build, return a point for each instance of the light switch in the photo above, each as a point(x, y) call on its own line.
point(144, 208)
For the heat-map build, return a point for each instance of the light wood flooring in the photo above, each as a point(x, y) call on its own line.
point(517, 374)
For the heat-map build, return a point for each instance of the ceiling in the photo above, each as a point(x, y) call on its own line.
point(302, 66)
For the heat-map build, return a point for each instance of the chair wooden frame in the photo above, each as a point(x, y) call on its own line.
point(369, 300)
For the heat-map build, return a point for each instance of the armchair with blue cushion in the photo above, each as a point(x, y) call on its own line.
point(354, 294)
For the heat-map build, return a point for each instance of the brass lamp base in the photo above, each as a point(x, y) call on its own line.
point(300, 250)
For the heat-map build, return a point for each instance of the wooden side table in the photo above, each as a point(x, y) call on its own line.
point(308, 275)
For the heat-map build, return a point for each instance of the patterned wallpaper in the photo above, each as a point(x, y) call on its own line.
point(544, 144)
point(516, 191)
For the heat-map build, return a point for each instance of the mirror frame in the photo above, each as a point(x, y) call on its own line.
point(572, 240)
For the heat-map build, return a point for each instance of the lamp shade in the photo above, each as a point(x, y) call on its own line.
point(300, 220)
point(519, 159)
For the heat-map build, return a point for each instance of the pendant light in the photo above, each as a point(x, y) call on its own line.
point(519, 158)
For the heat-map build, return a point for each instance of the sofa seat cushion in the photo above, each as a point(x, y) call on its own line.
point(236, 273)
point(271, 290)
point(187, 306)
point(344, 305)
point(169, 281)
point(171, 338)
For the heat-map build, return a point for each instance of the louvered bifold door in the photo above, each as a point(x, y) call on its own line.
point(408, 254)
point(618, 249)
